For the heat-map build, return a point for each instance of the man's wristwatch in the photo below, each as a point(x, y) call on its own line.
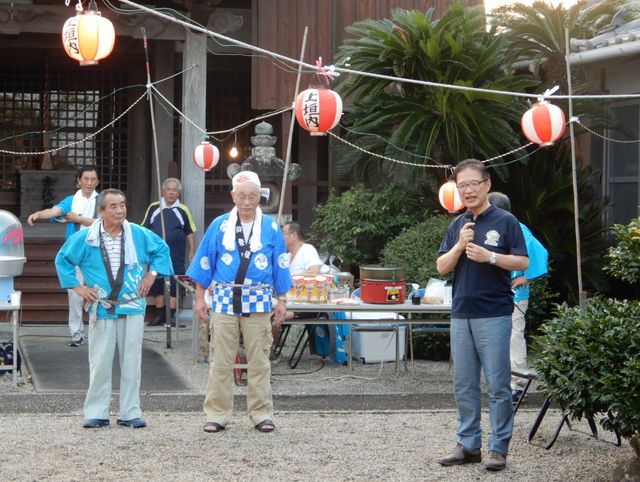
point(154, 273)
point(492, 258)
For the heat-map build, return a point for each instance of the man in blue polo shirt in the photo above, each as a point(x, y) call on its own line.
point(481, 247)
point(179, 229)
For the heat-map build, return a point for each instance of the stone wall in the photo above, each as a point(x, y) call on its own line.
point(42, 189)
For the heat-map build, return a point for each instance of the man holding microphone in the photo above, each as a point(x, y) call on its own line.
point(481, 249)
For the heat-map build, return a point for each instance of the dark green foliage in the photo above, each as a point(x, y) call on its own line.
point(589, 361)
point(624, 257)
point(356, 225)
point(537, 32)
point(417, 249)
point(431, 345)
point(541, 193)
point(426, 124)
point(542, 300)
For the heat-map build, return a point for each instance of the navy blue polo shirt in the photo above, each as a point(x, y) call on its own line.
point(178, 225)
point(483, 290)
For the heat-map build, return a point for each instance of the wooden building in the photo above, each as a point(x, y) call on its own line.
point(215, 85)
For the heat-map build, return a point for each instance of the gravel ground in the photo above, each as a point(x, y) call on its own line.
point(305, 446)
point(310, 445)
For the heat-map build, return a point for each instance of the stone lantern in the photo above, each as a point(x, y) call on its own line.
point(270, 169)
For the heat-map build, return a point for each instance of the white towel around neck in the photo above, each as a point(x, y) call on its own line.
point(82, 205)
point(130, 254)
point(229, 238)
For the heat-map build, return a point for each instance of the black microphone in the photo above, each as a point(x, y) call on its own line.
point(468, 217)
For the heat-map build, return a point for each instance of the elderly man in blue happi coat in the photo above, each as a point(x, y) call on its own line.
point(244, 254)
point(113, 256)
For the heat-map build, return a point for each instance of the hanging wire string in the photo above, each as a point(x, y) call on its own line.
point(434, 166)
point(225, 131)
point(93, 134)
point(277, 62)
point(605, 138)
point(397, 161)
point(397, 148)
point(260, 117)
point(508, 154)
point(370, 74)
point(156, 92)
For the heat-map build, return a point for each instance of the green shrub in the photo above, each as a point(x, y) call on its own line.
point(355, 225)
point(624, 257)
point(589, 361)
point(417, 249)
point(433, 345)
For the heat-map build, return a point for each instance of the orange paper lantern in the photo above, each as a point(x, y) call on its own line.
point(206, 156)
point(88, 37)
point(318, 110)
point(543, 124)
point(449, 197)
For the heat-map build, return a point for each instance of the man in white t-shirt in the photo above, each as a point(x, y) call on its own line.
point(303, 259)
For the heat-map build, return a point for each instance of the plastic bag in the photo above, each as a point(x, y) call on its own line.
point(434, 294)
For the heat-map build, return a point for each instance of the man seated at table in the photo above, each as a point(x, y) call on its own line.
point(303, 260)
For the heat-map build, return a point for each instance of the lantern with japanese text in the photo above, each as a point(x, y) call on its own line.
point(318, 110)
point(88, 37)
point(543, 124)
point(206, 156)
point(449, 197)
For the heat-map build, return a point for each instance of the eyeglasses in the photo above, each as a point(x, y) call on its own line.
point(472, 184)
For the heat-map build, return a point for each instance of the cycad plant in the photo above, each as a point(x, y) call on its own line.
point(536, 32)
point(427, 124)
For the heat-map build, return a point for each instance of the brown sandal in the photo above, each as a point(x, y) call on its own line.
point(213, 427)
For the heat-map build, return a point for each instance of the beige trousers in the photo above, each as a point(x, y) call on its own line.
point(257, 339)
point(518, 345)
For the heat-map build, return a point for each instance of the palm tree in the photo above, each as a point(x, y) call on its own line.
point(536, 32)
point(426, 124)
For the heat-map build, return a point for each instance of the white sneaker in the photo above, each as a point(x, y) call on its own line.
point(76, 340)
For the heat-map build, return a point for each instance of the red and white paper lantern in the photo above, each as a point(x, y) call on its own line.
point(88, 37)
point(449, 197)
point(206, 156)
point(318, 110)
point(543, 124)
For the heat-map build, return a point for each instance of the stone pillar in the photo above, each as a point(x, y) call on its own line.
point(194, 84)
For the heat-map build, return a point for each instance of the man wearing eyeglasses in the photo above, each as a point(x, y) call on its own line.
point(244, 253)
point(481, 247)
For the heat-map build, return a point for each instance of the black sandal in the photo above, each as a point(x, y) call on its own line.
point(213, 427)
point(265, 426)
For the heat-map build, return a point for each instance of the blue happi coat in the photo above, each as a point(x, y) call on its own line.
point(151, 251)
point(538, 264)
point(267, 266)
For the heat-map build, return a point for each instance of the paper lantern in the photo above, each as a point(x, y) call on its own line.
point(206, 156)
point(543, 124)
point(449, 197)
point(88, 37)
point(318, 110)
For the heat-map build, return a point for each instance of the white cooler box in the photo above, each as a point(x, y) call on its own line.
point(376, 346)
